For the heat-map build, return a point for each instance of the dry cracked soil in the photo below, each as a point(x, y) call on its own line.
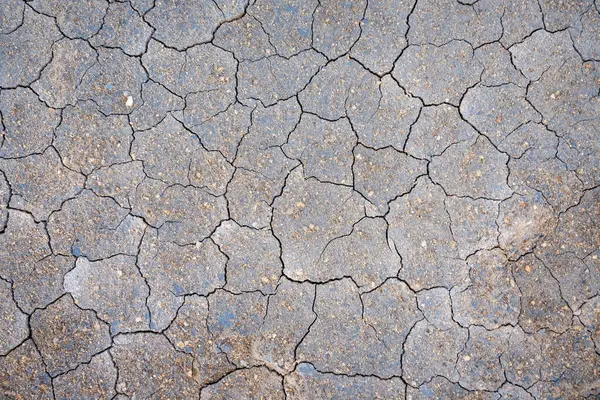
point(300, 199)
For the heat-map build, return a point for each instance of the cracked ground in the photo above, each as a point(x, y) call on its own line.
point(319, 199)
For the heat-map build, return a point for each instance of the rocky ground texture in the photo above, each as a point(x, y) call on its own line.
point(308, 199)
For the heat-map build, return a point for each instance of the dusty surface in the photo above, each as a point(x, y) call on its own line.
point(315, 199)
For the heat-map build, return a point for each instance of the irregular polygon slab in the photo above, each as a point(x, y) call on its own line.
point(67, 336)
point(538, 170)
point(173, 154)
point(306, 217)
point(336, 26)
point(173, 271)
point(479, 363)
point(232, 9)
point(440, 21)
point(480, 302)
point(148, 366)
point(522, 360)
point(79, 19)
point(585, 34)
point(221, 132)
point(324, 148)
point(157, 101)
point(579, 149)
point(383, 175)
point(577, 279)
point(567, 93)
point(529, 137)
point(13, 322)
point(94, 227)
point(235, 321)
point(577, 231)
point(288, 23)
point(497, 111)
point(285, 78)
point(338, 88)
point(519, 20)
point(473, 223)
point(306, 382)
point(441, 388)
point(71, 59)
point(123, 27)
point(365, 254)
point(94, 380)
point(383, 20)
point(23, 374)
point(523, 221)
point(497, 66)
point(28, 123)
point(472, 169)
point(249, 195)
point(436, 306)
point(570, 364)
point(36, 275)
point(12, 15)
point(87, 139)
point(340, 341)
point(184, 214)
point(204, 74)
point(419, 226)
point(25, 51)
point(189, 333)
point(392, 311)
point(252, 383)
point(559, 15)
point(590, 318)
point(40, 183)
point(441, 346)
point(114, 82)
point(290, 307)
point(184, 23)
point(453, 65)
point(113, 288)
point(252, 258)
point(118, 181)
point(38, 284)
point(246, 38)
point(385, 118)
point(437, 128)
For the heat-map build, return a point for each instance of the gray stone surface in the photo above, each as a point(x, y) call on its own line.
point(71, 60)
point(149, 365)
point(27, 49)
point(252, 258)
point(320, 199)
point(490, 296)
point(307, 382)
point(41, 183)
point(114, 288)
point(383, 175)
point(438, 74)
point(88, 139)
point(67, 335)
point(252, 383)
point(94, 380)
point(472, 169)
point(173, 271)
point(324, 148)
point(419, 228)
point(189, 334)
point(28, 124)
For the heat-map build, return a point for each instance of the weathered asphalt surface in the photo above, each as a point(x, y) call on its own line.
point(308, 199)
